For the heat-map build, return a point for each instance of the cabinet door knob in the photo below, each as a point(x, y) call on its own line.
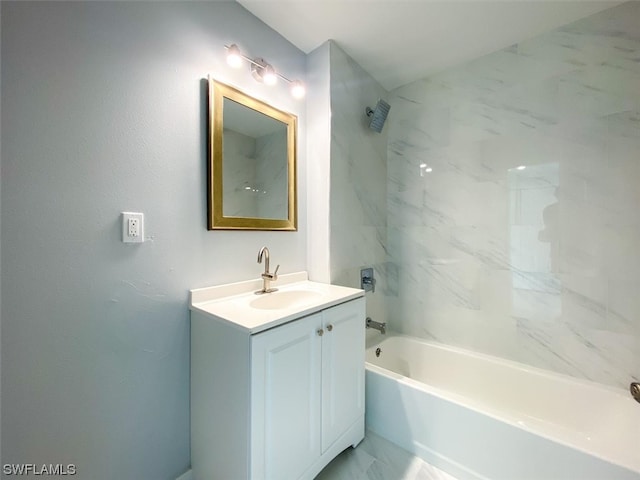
point(329, 327)
point(320, 332)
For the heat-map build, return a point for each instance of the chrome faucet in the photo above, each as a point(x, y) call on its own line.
point(267, 277)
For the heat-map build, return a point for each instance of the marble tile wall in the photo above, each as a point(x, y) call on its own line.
point(239, 172)
point(255, 175)
point(513, 201)
point(272, 175)
point(358, 187)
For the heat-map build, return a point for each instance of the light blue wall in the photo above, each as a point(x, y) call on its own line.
point(541, 264)
point(104, 111)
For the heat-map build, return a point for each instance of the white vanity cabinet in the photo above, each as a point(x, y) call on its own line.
point(281, 402)
point(307, 386)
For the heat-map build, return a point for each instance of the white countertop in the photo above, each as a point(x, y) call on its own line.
point(231, 303)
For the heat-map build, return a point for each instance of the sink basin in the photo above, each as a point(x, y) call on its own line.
point(285, 299)
point(237, 305)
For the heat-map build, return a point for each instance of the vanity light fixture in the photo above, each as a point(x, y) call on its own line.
point(297, 89)
point(262, 71)
point(234, 56)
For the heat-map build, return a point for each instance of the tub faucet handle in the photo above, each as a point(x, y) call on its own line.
point(367, 280)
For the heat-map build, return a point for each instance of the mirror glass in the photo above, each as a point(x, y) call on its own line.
point(254, 170)
point(252, 163)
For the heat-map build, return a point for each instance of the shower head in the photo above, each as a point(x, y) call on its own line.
point(378, 115)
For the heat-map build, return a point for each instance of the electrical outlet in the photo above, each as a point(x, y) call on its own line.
point(132, 227)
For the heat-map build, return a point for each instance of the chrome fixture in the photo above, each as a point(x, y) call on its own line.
point(367, 282)
point(267, 277)
point(382, 327)
point(262, 71)
point(379, 115)
point(634, 388)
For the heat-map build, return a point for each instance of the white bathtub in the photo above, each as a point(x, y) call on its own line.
point(480, 417)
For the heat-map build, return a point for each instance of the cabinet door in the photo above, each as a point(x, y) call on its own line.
point(342, 369)
point(285, 401)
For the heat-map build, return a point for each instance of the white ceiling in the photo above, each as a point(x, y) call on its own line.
point(400, 41)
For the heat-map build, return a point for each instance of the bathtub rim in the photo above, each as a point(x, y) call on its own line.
point(497, 414)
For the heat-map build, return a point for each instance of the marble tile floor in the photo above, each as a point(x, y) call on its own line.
point(378, 459)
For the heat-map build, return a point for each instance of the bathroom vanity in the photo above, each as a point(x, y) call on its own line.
point(277, 380)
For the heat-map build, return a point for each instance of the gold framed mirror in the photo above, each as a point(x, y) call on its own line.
point(252, 163)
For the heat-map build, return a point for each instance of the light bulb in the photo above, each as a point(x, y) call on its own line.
point(234, 57)
point(297, 89)
point(269, 75)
